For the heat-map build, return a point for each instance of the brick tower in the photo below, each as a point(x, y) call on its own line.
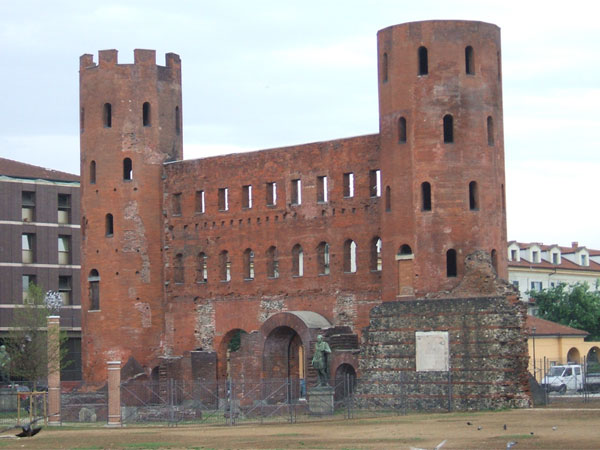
point(441, 134)
point(130, 125)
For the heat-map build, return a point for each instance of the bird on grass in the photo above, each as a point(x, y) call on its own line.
point(479, 428)
point(511, 444)
point(504, 427)
point(26, 430)
point(554, 428)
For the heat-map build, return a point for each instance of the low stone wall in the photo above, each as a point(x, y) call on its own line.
point(476, 360)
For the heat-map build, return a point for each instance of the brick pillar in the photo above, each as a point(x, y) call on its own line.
point(53, 324)
point(114, 393)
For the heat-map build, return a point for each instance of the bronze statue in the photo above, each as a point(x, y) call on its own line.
point(320, 361)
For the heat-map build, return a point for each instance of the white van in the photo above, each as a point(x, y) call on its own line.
point(564, 378)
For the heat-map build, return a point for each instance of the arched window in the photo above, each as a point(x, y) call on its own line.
point(469, 61)
point(297, 261)
point(178, 270)
point(323, 258)
point(494, 256)
point(94, 289)
point(248, 264)
point(350, 256)
point(225, 266)
point(384, 68)
point(451, 263)
point(405, 250)
point(490, 130)
point(107, 115)
point(146, 114)
point(127, 169)
point(177, 120)
point(401, 130)
point(93, 172)
point(202, 268)
point(473, 196)
point(448, 129)
point(108, 225)
point(426, 196)
point(376, 261)
point(272, 263)
point(388, 199)
point(423, 63)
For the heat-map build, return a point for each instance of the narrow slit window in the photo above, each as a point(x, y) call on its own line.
point(223, 199)
point(225, 266)
point(451, 263)
point(146, 114)
point(94, 290)
point(322, 196)
point(448, 129)
point(350, 256)
point(388, 199)
point(93, 172)
point(473, 196)
point(178, 269)
point(202, 268)
point(271, 194)
point(349, 184)
point(247, 196)
point(81, 120)
point(323, 258)
point(200, 205)
point(107, 115)
point(296, 192)
point(376, 256)
point(384, 68)
point(108, 225)
point(297, 261)
point(426, 196)
point(127, 169)
point(375, 182)
point(401, 130)
point(272, 263)
point(177, 121)
point(248, 264)
point(176, 204)
point(469, 61)
point(490, 131)
point(503, 199)
point(423, 61)
point(494, 256)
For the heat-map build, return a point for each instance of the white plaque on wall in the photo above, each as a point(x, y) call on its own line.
point(432, 351)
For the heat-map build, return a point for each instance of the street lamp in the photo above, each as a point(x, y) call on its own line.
point(533, 336)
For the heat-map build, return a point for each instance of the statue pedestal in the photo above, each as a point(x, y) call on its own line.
point(320, 400)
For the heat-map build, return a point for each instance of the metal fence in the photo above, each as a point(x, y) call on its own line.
point(21, 403)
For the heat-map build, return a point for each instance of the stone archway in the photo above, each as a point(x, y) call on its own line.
point(593, 355)
point(573, 356)
point(345, 381)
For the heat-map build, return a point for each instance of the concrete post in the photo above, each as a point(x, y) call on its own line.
point(53, 345)
point(114, 393)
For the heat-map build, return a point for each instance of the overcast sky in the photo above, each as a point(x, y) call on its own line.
point(262, 74)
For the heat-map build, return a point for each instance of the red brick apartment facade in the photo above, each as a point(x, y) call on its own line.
point(179, 255)
point(39, 243)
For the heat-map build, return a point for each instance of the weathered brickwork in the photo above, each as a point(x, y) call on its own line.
point(243, 260)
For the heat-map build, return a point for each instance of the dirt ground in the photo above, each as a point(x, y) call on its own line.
point(576, 428)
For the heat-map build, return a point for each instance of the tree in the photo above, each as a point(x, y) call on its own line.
point(27, 341)
point(572, 305)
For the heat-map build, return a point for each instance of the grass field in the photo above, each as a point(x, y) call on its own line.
point(532, 428)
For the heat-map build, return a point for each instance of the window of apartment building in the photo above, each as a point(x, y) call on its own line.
point(64, 208)
point(271, 194)
point(27, 248)
point(223, 199)
point(535, 256)
point(555, 258)
point(202, 268)
point(247, 196)
point(349, 184)
point(248, 264)
point(323, 258)
point(176, 204)
point(27, 280)
point(375, 182)
point(296, 192)
point(200, 205)
point(27, 206)
point(376, 258)
point(94, 289)
point(536, 286)
point(178, 269)
point(584, 260)
point(349, 256)
point(297, 261)
point(272, 263)
point(322, 196)
point(225, 266)
point(65, 289)
point(64, 249)
point(515, 283)
point(513, 255)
